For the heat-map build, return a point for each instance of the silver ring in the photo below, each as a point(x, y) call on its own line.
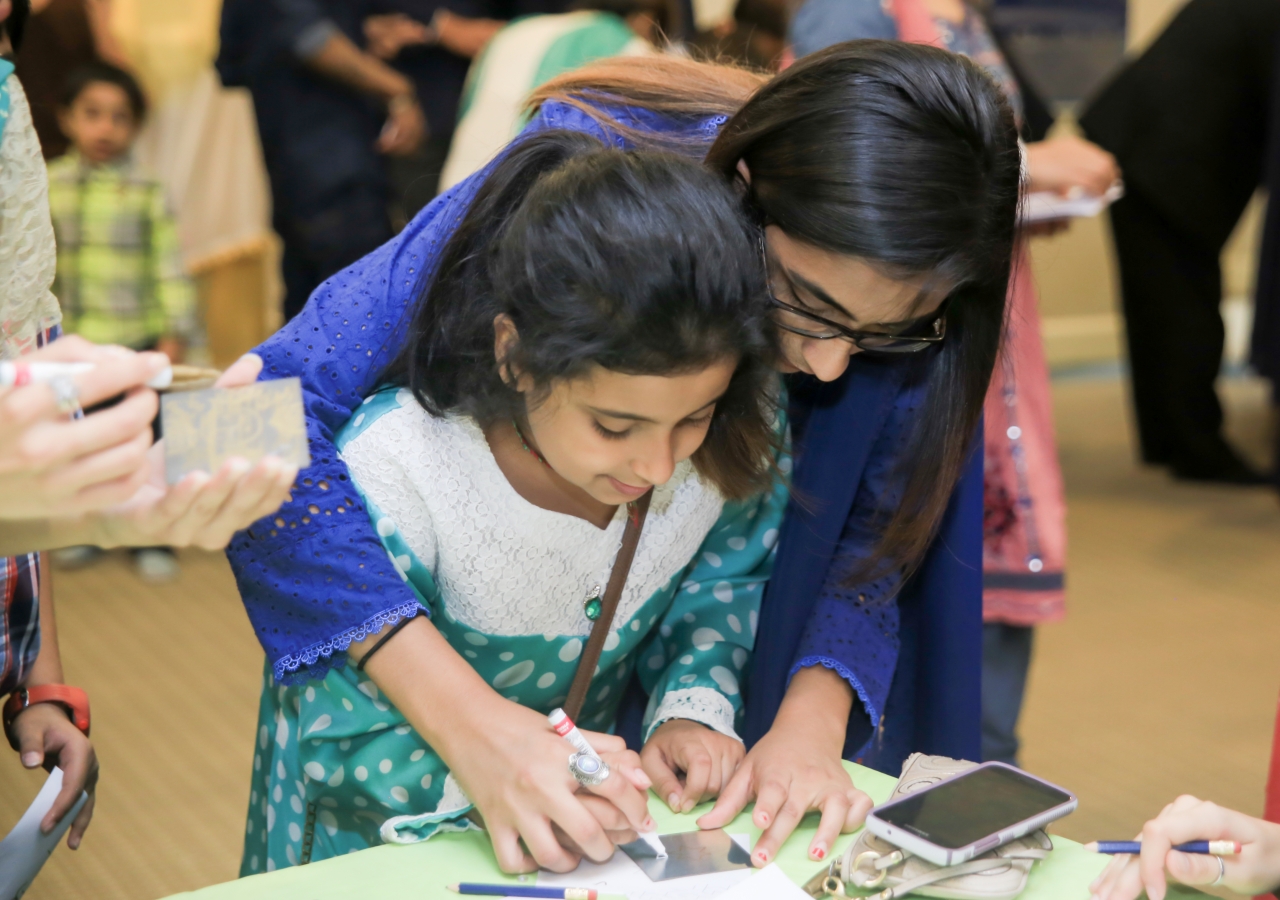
point(1222, 872)
point(66, 395)
point(589, 769)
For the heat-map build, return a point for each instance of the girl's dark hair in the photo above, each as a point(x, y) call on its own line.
point(641, 262)
point(16, 25)
point(95, 72)
point(902, 155)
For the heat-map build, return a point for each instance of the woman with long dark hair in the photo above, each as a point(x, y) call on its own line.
point(885, 180)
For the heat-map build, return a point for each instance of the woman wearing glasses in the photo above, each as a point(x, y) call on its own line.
point(885, 180)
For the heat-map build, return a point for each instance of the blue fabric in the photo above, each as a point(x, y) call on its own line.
point(323, 579)
point(6, 69)
point(821, 23)
point(846, 436)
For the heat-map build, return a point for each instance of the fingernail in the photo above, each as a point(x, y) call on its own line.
point(674, 802)
point(818, 851)
point(31, 759)
point(643, 781)
point(764, 819)
point(648, 825)
point(688, 805)
point(762, 856)
point(74, 843)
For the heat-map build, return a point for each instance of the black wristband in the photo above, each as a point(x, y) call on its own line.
point(381, 641)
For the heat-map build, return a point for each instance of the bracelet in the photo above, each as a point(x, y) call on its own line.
point(382, 640)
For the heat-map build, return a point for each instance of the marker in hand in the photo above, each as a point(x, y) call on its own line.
point(1208, 848)
point(19, 374)
point(564, 727)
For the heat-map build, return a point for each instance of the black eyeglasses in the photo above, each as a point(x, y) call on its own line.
point(908, 337)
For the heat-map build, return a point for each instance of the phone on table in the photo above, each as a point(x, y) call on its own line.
point(968, 814)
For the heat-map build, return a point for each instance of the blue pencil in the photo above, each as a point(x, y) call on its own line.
point(1210, 848)
point(516, 890)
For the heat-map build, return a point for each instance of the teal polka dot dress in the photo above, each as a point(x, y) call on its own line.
point(336, 766)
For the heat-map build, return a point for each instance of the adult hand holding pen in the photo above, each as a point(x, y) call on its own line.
point(1255, 870)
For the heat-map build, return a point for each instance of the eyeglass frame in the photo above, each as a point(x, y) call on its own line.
point(912, 343)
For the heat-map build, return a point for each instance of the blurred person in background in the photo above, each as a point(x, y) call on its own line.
point(119, 278)
point(756, 36)
point(533, 50)
point(1188, 121)
point(433, 44)
point(327, 112)
point(61, 36)
point(1024, 518)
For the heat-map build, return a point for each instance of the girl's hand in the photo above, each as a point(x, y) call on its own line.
point(51, 465)
point(791, 774)
point(1256, 870)
point(516, 770)
point(1067, 164)
point(707, 758)
point(46, 737)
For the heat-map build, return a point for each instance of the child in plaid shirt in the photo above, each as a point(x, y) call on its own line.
point(120, 278)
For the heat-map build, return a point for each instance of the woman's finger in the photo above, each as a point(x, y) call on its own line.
point(604, 812)
point(785, 822)
point(243, 371)
point(510, 853)
point(581, 827)
point(835, 810)
point(604, 743)
point(56, 443)
point(208, 501)
point(622, 794)
point(697, 775)
point(81, 824)
point(249, 495)
point(769, 799)
point(733, 799)
point(119, 461)
point(860, 804)
point(74, 758)
point(1195, 868)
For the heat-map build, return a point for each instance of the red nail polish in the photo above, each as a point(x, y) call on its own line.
point(819, 853)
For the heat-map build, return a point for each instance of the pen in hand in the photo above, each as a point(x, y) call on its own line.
point(1209, 848)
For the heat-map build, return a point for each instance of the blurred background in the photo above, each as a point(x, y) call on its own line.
point(1172, 591)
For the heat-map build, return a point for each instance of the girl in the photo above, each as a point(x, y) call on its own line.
point(887, 179)
point(1024, 521)
point(572, 355)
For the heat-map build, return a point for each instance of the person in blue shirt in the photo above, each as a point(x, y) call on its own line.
point(885, 181)
point(327, 111)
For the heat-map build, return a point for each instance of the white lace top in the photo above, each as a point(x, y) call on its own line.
point(28, 255)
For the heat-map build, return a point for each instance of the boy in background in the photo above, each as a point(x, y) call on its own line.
point(120, 278)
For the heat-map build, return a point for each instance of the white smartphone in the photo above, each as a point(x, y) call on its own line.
point(968, 814)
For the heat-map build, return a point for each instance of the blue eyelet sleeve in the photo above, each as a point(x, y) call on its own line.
point(853, 629)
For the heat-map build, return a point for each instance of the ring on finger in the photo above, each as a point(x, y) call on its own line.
point(1222, 872)
point(66, 396)
point(589, 769)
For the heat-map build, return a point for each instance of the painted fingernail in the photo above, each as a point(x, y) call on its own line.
point(764, 818)
point(818, 851)
point(762, 856)
point(674, 802)
point(648, 825)
point(31, 759)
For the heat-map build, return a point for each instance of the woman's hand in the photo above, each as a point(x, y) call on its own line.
point(51, 465)
point(707, 758)
point(46, 737)
point(1255, 870)
point(515, 768)
point(796, 768)
point(1065, 165)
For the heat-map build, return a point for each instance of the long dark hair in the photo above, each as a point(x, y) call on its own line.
point(902, 155)
point(640, 262)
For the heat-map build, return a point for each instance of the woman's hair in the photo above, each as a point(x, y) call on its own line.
point(640, 262)
point(16, 25)
point(901, 155)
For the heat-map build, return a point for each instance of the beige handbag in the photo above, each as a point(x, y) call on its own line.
point(871, 862)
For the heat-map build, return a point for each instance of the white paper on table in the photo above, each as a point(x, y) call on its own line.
point(770, 883)
point(622, 876)
point(25, 849)
point(1044, 206)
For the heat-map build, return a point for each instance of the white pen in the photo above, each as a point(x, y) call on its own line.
point(564, 727)
point(18, 374)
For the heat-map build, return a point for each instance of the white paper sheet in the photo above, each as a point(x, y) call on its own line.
point(1044, 206)
point(770, 883)
point(25, 849)
point(621, 876)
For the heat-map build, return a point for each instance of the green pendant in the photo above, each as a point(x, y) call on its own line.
point(592, 605)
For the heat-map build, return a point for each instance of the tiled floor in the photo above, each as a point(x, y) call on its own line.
point(1163, 678)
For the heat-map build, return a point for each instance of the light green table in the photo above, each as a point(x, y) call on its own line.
point(420, 871)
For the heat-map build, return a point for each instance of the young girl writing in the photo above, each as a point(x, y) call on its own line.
point(596, 337)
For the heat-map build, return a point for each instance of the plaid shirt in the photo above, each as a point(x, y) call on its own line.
point(20, 619)
point(120, 278)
